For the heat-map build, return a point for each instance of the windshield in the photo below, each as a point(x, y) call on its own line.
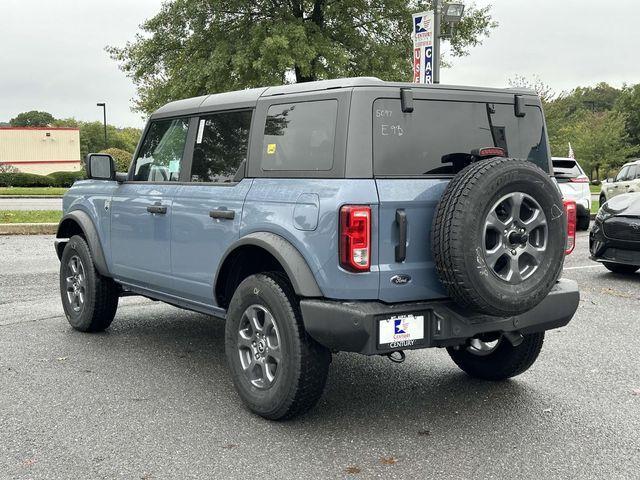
point(438, 137)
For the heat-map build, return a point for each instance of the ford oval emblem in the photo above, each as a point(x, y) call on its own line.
point(400, 279)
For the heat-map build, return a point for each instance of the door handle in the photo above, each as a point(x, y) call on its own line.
point(401, 248)
point(223, 213)
point(159, 209)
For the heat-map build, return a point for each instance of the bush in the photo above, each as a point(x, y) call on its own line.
point(24, 180)
point(121, 157)
point(55, 179)
point(65, 179)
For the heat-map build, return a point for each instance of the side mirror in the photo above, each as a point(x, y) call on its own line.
point(100, 166)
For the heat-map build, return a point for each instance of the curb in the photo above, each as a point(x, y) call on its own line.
point(28, 228)
point(29, 196)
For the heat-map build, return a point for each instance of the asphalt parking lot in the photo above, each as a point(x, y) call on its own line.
point(151, 398)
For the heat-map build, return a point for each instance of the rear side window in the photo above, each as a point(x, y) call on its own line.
point(300, 136)
point(221, 146)
point(161, 152)
point(632, 172)
point(439, 136)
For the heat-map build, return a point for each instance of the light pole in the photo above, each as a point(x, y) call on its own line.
point(451, 13)
point(104, 114)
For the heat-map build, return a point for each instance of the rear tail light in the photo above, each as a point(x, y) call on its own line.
point(581, 179)
point(355, 238)
point(571, 211)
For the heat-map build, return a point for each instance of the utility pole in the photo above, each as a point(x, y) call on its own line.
point(436, 41)
point(104, 113)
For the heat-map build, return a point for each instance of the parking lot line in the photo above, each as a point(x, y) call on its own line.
point(583, 266)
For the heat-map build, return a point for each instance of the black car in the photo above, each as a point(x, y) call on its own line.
point(615, 236)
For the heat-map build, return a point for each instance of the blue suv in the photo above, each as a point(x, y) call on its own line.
point(346, 215)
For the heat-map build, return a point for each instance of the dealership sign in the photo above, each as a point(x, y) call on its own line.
point(423, 47)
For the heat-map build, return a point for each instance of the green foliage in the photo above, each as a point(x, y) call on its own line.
point(121, 157)
point(193, 48)
point(65, 179)
point(55, 179)
point(33, 118)
point(628, 103)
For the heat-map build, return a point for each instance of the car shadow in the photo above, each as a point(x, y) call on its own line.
point(427, 389)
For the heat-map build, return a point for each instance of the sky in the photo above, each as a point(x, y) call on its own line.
point(52, 53)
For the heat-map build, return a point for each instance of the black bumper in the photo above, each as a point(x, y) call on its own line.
point(353, 326)
point(603, 248)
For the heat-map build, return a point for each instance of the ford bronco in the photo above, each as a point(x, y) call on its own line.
point(345, 215)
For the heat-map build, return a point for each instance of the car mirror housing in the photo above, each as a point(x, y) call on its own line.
point(100, 166)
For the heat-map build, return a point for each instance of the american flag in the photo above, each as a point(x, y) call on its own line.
point(571, 154)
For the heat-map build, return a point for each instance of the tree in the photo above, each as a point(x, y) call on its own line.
point(192, 48)
point(599, 140)
point(628, 103)
point(544, 91)
point(33, 118)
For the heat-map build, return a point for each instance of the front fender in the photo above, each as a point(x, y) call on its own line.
point(67, 228)
point(294, 264)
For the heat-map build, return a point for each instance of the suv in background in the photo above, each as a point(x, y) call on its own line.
point(627, 181)
point(345, 215)
point(574, 185)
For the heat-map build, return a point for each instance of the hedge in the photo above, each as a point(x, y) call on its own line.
point(55, 179)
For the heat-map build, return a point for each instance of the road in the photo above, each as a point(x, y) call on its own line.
point(17, 203)
point(152, 399)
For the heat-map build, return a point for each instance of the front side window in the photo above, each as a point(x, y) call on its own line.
point(300, 136)
point(622, 174)
point(221, 146)
point(632, 172)
point(161, 152)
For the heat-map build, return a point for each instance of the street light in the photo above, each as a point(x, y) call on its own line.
point(104, 112)
point(451, 13)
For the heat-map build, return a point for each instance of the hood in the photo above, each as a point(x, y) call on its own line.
point(627, 204)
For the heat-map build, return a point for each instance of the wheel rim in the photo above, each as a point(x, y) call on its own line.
point(482, 348)
point(515, 237)
point(259, 346)
point(76, 283)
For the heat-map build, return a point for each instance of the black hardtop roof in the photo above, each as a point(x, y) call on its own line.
point(248, 98)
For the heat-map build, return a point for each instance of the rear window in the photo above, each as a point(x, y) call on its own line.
point(439, 136)
point(566, 168)
point(300, 136)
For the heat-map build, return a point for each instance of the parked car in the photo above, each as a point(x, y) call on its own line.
point(574, 185)
point(346, 215)
point(615, 237)
point(627, 181)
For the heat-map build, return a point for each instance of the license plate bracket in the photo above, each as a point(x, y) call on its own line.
point(401, 331)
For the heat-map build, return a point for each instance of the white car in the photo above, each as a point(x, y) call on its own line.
point(574, 185)
point(627, 181)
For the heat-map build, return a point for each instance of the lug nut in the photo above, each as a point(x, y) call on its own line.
point(513, 252)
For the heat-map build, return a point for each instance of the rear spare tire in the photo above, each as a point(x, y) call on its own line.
point(499, 235)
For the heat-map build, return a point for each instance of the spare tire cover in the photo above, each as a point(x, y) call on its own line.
point(498, 236)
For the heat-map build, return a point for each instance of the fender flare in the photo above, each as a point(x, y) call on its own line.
point(90, 234)
point(294, 264)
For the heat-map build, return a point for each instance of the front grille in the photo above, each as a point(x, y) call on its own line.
point(623, 228)
point(620, 255)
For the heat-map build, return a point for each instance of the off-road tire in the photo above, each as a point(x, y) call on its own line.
point(583, 222)
point(457, 236)
point(621, 268)
point(504, 362)
point(101, 293)
point(305, 363)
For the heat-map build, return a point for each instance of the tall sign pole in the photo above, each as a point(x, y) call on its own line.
point(436, 41)
point(423, 47)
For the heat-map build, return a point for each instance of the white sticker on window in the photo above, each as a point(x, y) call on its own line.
point(200, 131)
point(174, 166)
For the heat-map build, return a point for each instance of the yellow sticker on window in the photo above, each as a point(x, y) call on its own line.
point(271, 148)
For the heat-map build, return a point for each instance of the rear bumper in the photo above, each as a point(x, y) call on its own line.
point(353, 326)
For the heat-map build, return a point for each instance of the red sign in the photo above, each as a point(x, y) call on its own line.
point(416, 64)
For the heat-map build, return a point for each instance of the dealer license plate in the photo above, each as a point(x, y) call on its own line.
point(401, 332)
